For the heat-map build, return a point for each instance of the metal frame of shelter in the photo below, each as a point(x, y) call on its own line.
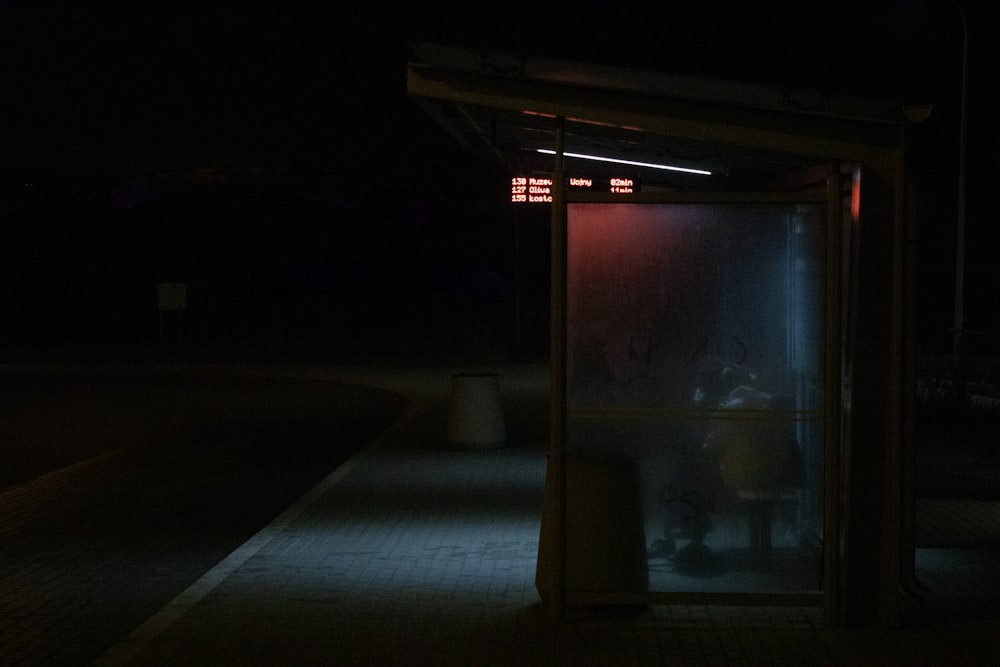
point(858, 171)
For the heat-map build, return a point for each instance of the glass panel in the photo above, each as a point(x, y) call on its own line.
point(694, 434)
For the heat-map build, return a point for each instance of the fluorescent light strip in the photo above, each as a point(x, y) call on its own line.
point(629, 162)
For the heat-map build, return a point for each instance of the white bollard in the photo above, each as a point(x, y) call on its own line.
point(475, 413)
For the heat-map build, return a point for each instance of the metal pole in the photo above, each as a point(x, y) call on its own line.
point(558, 362)
point(517, 282)
point(960, 233)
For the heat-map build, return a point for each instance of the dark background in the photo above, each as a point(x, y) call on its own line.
point(266, 155)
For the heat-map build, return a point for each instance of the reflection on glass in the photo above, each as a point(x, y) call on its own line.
point(694, 349)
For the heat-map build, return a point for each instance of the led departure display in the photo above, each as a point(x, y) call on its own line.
point(538, 190)
point(530, 189)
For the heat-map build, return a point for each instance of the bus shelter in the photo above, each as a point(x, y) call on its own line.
point(728, 423)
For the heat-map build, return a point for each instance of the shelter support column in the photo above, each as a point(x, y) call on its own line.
point(869, 578)
point(550, 574)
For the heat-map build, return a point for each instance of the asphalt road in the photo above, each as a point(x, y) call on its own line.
point(119, 489)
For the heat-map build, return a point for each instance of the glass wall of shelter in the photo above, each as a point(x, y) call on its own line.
point(694, 398)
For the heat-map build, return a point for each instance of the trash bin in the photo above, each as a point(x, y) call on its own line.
point(605, 534)
point(475, 412)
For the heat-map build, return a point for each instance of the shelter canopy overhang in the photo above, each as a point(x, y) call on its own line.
point(501, 107)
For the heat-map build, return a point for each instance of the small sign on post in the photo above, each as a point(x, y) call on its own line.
point(172, 296)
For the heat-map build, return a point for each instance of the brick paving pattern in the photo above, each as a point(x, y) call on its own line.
point(413, 553)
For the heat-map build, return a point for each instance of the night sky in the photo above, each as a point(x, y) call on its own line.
point(97, 95)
